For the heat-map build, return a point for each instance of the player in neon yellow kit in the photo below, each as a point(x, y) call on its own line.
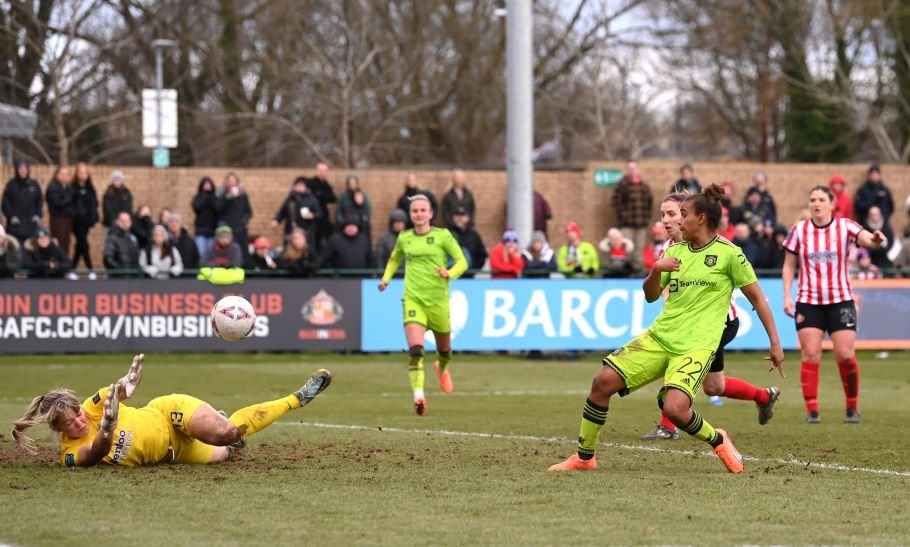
point(701, 273)
point(173, 428)
point(426, 293)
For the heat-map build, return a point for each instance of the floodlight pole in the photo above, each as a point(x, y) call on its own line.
point(160, 45)
point(520, 117)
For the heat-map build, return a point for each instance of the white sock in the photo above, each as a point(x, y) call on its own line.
point(418, 394)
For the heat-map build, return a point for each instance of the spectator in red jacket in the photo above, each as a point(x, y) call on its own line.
point(652, 253)
point(843, 204)
point(505, 260)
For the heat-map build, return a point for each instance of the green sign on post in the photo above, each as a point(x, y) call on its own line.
point(607, 177)
point(161, 157)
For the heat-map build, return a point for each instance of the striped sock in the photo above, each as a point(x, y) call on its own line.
point(592, 420)
point(699, 428)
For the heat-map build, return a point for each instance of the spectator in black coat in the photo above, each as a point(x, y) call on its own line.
point(755, 209)
point(301, 210)
point(873, 193)
point(85, 213)
point(10, 254)
point(742, 238)
point(224, 253)
point(295, 258)
point(469, 240)
point(206, 214)
point(60, 207)
point(233, 206)
point(121, 251)
point(354, 202)
point(117, 199)
point(347, 249)
point(411, 190)
point(687, 181)
point(44, 258)
point(760, 183)
point(180, 239)
point(22, 204)
point(458, 197)
point(385, 243)
point(142, 226)
point(321, 188)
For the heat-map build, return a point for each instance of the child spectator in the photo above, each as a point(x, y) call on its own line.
point(505, 262)
point(160, 260)
point(539, 256)
point(577, 257)
point(618, 254)
point(863, 268)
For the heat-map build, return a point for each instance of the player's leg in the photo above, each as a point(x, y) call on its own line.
point(639, 363)
point(439, 322)
point(665, 430)
point(810, 329)
point(842, 327)
point(414, 333)
point(683, 378)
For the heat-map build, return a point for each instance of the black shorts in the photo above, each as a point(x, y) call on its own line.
point(827, 317)
point(730, 330)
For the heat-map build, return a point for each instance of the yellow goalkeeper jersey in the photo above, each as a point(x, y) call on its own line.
point(142, 436)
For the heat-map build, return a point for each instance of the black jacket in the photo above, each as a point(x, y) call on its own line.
point(234, 212)
point(22, 207)
point(206, 214)
point(120, 250)
point(290, 214)
point(50, 261)
point(471, 245)
point(302, 267)
point(114, 202)
point(59, 198)
point(142, 229)
point(869, 194)
point(345, 252)
point(187, 248)
point(85, 204)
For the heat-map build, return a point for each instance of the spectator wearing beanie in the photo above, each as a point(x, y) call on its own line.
point(225, 252)
point(262, 258)
point(385, 243)
point(539, 256)
point(44, 258)
point(505, 262)
point(577, 258)
point(117, 199)
point(843, 205)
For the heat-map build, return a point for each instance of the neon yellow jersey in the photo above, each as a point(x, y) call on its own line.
point(142, 436)
point(699, 294)
point(424, 254)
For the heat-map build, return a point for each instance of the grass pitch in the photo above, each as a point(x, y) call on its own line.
point(359, 467)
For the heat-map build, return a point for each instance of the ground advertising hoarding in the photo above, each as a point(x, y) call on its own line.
point(603, 314)
point(134, 315)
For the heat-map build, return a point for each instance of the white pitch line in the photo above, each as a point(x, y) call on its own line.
point(561, 440)
point(498, 393)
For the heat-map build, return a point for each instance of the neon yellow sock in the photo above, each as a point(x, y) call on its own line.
point(416, 374)
point(699, 428)
point(255, 418)
point(592, 421)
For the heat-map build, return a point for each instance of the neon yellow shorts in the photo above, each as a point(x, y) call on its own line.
point(434, 318)
point(644, 360)
point(179, 409)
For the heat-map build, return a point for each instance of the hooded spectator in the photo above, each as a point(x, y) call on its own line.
point(121, 250)
point(21, 203)
point(458, 197)
point(225, 252)
point(301, 210)
point(348, 249)
point(295, 258)
point(142, 226)
point(354, 202)
point(10, 255)
point(873, 193)
point(233, 207)
point(505, 261)
point(475, 252)
point(206, 214)
point(539, 256)
point(160, 260)
point(843, 205)
point(44, 258)
point(85, 213)
point(385, 243)
point(60, 207)
point(117, 199)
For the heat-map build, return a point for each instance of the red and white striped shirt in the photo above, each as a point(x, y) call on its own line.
point(731, 313)
point(823, 253)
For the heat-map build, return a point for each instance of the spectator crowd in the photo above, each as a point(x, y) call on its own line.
point(322, 230)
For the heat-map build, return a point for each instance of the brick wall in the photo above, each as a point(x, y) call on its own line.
point(571, 193)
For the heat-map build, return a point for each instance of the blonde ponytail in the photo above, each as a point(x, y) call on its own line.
point(44, 409)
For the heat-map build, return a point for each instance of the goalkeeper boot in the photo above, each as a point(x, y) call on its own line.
point(728, 453)
point(851, 417)
point(315, 384)
point(575, 463)
point(661, 433)
point(445, 379)
point(766, 411)
point(420, 406)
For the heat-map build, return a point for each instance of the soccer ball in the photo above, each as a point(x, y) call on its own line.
point(233, 318)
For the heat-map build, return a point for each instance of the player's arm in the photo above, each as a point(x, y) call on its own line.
point(91, 453)
point(653, 285)
point(454, 250)
point(130, 382)
point(776, 353)
point(788, 270)
point(392, 266)
point(871, 240)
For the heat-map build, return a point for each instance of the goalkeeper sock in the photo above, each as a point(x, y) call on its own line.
point(443, 357)
point(255, 418)
point(735, 388)
point(808, 375)
point(415, 371)
point(699, 428)
point(849, 377)
point(593, 418)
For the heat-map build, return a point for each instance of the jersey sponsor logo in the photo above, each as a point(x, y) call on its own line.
point(96, 397)
point(71, 460)
point(122, 448)
point(676, 284)
point(711, 261)
point(824, 257)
